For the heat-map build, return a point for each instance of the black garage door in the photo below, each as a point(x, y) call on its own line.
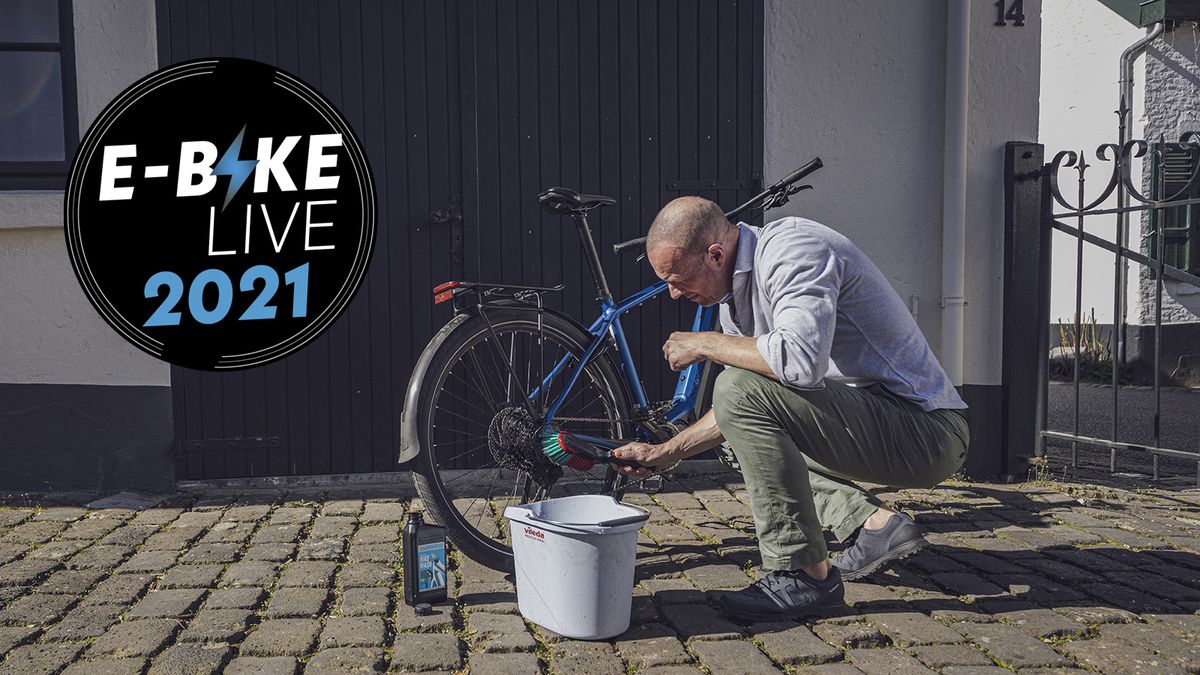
point(471, 108)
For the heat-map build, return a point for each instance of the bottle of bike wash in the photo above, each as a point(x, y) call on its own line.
point(425, 568)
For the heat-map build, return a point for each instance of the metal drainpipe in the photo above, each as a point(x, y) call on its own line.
point(1124, 112)
point(954, 188)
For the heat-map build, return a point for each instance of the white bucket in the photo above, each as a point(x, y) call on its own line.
point(574, 559)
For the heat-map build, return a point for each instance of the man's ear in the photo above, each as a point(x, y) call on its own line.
point(717, 253)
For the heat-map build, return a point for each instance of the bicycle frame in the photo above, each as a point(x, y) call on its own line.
point(687, 389)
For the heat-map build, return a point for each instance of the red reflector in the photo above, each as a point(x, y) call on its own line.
point(445, 295)
point(447, 286)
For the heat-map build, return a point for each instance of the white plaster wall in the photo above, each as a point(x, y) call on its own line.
point(1172, 76)
point(1082, 41)
point(863, 85)
point(49, 332)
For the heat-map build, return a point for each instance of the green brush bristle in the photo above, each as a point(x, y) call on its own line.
point(552, 449)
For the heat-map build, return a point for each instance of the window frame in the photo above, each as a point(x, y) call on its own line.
point(35, 175)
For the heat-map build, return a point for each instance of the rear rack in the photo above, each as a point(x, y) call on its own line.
point(452, 289)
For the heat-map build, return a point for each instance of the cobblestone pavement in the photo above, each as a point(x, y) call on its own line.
point(1038, 577)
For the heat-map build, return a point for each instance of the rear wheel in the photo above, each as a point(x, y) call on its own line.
point(464, 483)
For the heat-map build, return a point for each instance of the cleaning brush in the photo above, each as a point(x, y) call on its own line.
point(579, 451)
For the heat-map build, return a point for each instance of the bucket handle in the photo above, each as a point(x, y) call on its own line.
point(626, 520)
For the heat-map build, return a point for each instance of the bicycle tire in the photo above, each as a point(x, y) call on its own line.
point(429, 473)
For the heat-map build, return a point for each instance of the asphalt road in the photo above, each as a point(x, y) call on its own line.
point(1179, 429)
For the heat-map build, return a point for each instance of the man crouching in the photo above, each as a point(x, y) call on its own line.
point(805, 315)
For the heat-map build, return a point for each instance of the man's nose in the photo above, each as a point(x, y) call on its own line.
point(675, 292)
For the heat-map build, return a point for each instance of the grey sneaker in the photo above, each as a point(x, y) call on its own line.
point(785, 595)
point(873, 549)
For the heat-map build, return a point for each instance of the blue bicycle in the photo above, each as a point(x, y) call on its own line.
point(507, 370)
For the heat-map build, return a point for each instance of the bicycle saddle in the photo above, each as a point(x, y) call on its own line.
point(566, 200)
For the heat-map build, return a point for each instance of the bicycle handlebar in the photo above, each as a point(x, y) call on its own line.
point(779, 188)
point(626, 245)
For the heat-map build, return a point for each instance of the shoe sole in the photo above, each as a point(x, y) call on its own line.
point(836, 602)
point(899, 553)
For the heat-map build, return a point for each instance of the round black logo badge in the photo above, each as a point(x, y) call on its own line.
point(220, 214)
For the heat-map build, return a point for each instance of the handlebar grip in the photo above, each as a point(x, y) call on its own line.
point(801, 172)
point(778, 188)
point(640, 242)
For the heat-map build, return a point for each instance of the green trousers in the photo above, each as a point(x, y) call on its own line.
point(799, 451)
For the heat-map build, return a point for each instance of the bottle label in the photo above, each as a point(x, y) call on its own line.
point(431, 567)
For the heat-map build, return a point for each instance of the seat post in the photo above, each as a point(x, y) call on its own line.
point(589, 247)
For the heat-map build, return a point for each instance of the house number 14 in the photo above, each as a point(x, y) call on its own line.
point(1015, 13)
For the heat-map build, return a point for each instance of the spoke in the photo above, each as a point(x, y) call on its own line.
point(529, 374)
point(489, 413)
point(508, 368)
point(564, 376)
point(471, 507)
point(469, 437)
point(477, 448)
point(541, 340)
point(461, 440)
point(467, 490)
point(488, 495)
point(580, 389)
point(585, 411)
point(497, 369)
point(512, 357)
point(461, 417)
point(469, 472)
point(482, 378)
point(486, 399)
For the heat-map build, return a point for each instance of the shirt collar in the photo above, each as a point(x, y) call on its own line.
point(747, 241)
point(744, 262)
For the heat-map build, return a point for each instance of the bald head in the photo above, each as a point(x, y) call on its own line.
point(690, 224)
point(691, 246)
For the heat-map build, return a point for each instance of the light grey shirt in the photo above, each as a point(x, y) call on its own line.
point(820, 308)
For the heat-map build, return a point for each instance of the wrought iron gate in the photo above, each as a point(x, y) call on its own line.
point(1043, 197)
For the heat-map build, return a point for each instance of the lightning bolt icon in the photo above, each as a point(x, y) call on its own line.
point(238, 170)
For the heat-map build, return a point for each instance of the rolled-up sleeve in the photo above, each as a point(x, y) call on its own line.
point(800, 277)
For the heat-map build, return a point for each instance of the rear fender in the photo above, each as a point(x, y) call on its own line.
point(410, 447)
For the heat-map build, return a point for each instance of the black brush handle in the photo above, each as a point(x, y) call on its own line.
point(597, 451)
point(624, 462)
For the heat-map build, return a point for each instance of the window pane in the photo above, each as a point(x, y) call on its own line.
point(28, 21)
point(31, 109)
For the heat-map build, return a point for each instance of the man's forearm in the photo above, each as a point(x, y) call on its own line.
point(701, 435)
point(738, 351)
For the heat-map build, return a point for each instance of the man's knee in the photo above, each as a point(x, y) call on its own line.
point(738, 391)
point(733, 381)
point(730, 388)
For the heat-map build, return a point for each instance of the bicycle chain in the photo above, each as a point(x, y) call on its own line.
point(656, 479)
point(598, 420)
point(658, 411)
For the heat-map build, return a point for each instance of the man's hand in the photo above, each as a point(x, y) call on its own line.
point(653, 457)
point(684, 348)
